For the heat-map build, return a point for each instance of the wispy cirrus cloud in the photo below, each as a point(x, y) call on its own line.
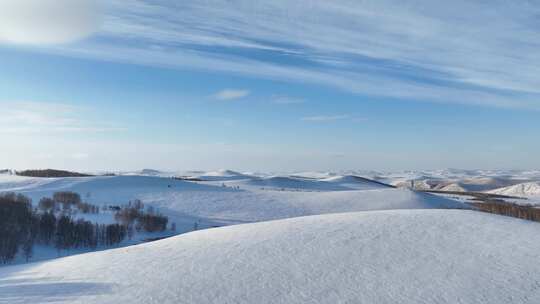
point(406, 50)
point(285, 100)
point(41, 117)
point(331, 118)
point(231, 94)
point(326, 118)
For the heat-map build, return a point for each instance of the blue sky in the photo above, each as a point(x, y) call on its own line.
point(273, 86)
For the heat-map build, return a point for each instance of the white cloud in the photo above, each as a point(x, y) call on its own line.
point(407, 50)
point(326, 118)
point(231, 94)
point(39, 22)
point(41, 117)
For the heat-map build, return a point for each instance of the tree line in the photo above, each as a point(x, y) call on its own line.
point(50, 173)
point(526, 212)
point(21, 226)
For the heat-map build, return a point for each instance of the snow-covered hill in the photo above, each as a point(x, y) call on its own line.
point(219, 175)
point(468, 184)
point(476, 184)
point(335, 183)
point(531, 189)
point(223, 202)
point(398, 256)
point(356, 182)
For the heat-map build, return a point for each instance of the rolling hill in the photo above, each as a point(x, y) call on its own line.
point(399, 256)
point(530, 189)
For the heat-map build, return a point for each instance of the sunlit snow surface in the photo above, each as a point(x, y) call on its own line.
point(290, 238)
point(223, 198)
point(232, 198)
point(396, 256)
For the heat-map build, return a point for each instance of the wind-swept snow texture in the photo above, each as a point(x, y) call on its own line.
point(398, 256)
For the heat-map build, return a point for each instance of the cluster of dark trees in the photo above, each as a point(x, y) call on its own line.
point(16, 222)
point(134, 216)
point(21, 226)
point(66, 200)
point(504, 208)
point(50, 173)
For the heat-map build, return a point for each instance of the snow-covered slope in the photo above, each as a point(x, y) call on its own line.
point(220, 175)
point(531, 189)
point(457, 187)
point(417, 184)
point(355, 182)
point(399, 256)
point(335, 183)
point(459, 180)
point(478, 184)
point(214, 205)
point(16, 183)
point(198, 205)
point(150, 172)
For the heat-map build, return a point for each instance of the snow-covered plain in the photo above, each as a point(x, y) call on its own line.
point(392, 256)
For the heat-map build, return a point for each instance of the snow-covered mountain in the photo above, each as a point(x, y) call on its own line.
point(399, 256)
